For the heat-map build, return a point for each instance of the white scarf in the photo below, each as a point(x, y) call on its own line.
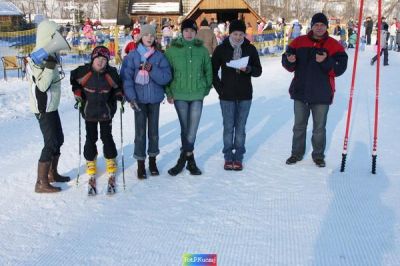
point(237, 48)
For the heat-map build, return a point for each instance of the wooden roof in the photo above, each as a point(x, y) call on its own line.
point(215, 5)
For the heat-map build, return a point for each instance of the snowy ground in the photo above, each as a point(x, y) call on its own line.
point(268, 214)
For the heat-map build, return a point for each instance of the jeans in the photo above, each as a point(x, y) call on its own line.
point(90, 149)
point(318, 140)
point(147, 118)
point(392, 43)
point(189, 114)
point(50, 126)
point(368, 39)
point(234, 115)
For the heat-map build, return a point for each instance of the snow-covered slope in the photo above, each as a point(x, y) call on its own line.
point(268, 214)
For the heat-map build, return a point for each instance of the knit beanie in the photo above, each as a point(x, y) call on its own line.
point(237, 25)
point(319, 18)
point(145, 30)
point(135, 32)
point(189, 24)
point(100, 51)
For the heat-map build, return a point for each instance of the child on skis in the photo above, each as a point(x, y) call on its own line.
point(96, 87)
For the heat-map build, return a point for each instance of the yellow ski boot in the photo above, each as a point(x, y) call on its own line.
point(91, 169)
point(111, 166)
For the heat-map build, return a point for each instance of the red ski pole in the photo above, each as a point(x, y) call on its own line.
point(378, 67)
point(353, 78)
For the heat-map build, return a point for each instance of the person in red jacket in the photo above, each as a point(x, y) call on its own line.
point(129, 46)
point(316, 59)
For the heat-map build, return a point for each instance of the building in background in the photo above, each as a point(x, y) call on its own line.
point(224, 10)
point(11, 17)
point(159, 12)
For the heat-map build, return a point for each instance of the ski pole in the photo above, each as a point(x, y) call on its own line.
point(121, 110)
point(353, 79)
point(78, 107)
point(378, 65)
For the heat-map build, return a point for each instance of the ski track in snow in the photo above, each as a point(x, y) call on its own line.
point(268, 214)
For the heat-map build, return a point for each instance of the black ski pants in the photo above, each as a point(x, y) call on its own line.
point(50, 125)
point(90, 149)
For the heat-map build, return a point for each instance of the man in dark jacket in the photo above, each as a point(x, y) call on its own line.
point(369, 25)
point(235, 90)
point(316, 59)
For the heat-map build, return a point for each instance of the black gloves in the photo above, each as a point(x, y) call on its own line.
point(50, 62)
point(146, 66)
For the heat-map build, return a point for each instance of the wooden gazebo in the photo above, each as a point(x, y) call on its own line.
point(224, 10)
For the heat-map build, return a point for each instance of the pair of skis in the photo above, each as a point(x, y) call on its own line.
point(375, 138)
point(92, 187)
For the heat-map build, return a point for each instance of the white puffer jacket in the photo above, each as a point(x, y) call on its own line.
point(45, 84)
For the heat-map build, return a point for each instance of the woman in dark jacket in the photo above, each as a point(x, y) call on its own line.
point(235, 91)
point(97, 87)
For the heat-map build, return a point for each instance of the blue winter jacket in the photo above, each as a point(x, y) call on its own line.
point(160, 75)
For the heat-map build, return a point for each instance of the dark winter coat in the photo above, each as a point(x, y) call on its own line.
point(234, 85)
point(369, 25)
point(159, 76)
point(98, 91)
point(314, 82)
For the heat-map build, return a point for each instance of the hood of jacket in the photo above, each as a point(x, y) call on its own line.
point(180, 42)
point(45, 31)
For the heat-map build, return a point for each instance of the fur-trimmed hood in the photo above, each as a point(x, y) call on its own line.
point(45, 31)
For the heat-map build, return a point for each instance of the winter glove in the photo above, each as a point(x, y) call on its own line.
point(146, 66)
point(78, 96)
point(135, 106)
point(119, 97)
point(50, 62)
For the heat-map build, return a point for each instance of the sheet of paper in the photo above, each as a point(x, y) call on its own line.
point(239, 63)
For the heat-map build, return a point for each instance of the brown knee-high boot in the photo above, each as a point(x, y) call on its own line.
point(54, 176)
point(42, 183)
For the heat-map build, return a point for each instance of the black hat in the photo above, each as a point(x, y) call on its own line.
point(237, 25)
point(319, 18)
point(189, 24)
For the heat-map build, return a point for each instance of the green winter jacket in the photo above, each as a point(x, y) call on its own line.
point(45, 85)
point(191, 68)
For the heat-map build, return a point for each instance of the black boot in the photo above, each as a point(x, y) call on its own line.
point(153, 166)
point(54, 176)
point(141, 170)
point(191, 165)
point(179, 165)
